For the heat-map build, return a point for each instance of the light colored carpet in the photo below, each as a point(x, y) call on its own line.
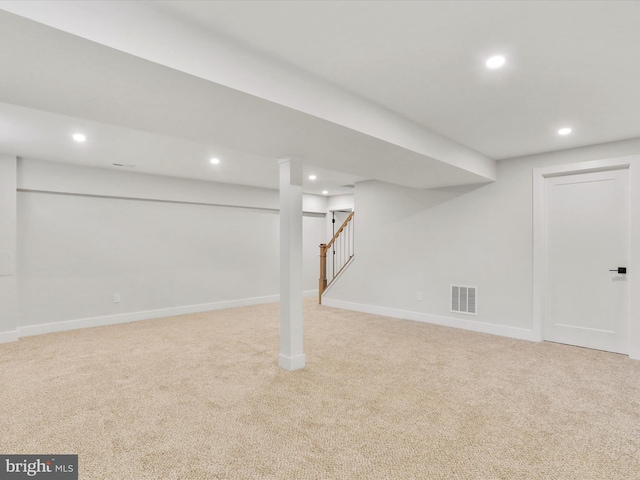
point(201, 397)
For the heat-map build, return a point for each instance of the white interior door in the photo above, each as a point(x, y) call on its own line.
point(586, 235)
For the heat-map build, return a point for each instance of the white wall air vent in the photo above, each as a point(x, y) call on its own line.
point(464, 299)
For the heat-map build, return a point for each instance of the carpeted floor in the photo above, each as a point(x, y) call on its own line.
point(201, 397)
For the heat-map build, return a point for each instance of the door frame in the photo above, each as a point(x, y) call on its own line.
point(630, 163)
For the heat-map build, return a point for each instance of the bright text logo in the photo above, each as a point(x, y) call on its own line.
point(49, 467)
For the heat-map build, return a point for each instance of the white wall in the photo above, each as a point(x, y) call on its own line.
point(165, 245)
point(8, 319)
point(424, 240)
point(340, 202)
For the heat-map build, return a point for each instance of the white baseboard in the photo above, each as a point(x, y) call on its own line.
point(136, 316)
point(11, 336)
point(473, 325)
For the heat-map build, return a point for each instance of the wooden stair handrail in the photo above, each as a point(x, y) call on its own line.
point(342, 227)
point(324, 248)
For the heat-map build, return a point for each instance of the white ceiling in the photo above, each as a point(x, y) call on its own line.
point(568, 63)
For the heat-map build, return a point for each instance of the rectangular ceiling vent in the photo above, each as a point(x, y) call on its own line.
point(464, 299)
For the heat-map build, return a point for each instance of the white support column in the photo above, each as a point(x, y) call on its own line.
point(8, 242)
point(291, 317)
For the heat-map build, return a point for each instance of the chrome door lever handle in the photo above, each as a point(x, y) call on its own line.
point(621, 270)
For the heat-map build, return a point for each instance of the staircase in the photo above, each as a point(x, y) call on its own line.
point(340, 250)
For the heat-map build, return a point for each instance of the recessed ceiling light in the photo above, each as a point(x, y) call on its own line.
point(564, 131)
point(495, 62)
point(325, 192)
point(79, 137)
point(312, 177)
point(215, 161)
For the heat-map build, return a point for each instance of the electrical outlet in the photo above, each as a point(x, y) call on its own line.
point(419, 296)
point(116, 298)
